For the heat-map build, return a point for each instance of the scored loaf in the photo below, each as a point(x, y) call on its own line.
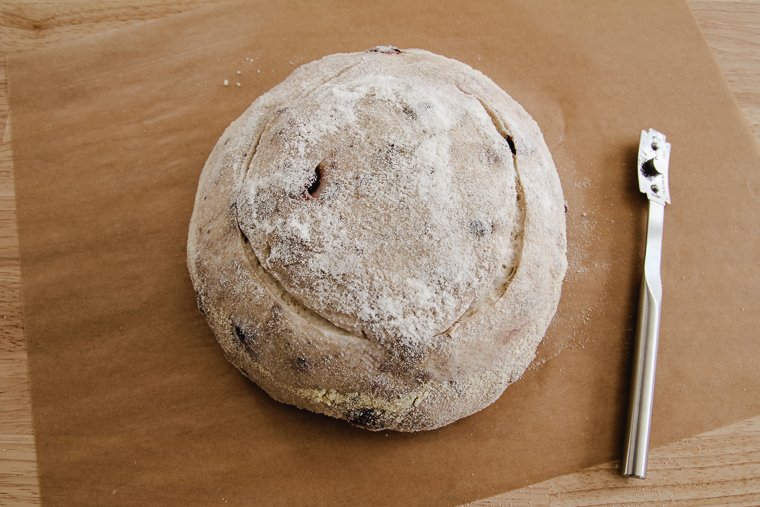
point(380, 238)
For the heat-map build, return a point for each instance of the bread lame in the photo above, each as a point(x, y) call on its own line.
point(652, 171)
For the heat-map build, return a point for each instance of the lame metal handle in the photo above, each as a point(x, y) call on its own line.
point(645, 351)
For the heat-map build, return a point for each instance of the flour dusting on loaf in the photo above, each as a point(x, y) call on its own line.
point(380, 238)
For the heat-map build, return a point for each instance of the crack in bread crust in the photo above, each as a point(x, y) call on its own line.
point(284, 298)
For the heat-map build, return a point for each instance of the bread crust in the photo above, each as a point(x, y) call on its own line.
point(380, 238)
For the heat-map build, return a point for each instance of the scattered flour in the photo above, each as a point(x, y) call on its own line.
point(434, 157)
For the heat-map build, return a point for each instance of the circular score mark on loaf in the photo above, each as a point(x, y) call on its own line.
point(381, 239)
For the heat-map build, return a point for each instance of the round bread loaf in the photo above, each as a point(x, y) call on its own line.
point(380, 238)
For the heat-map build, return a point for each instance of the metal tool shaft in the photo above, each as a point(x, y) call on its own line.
point(645, 354)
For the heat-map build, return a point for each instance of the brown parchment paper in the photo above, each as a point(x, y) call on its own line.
point(134, 402)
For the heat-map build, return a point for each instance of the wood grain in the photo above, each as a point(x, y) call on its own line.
point(721, 467)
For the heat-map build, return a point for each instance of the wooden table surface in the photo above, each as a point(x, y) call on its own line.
point(721, 467)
